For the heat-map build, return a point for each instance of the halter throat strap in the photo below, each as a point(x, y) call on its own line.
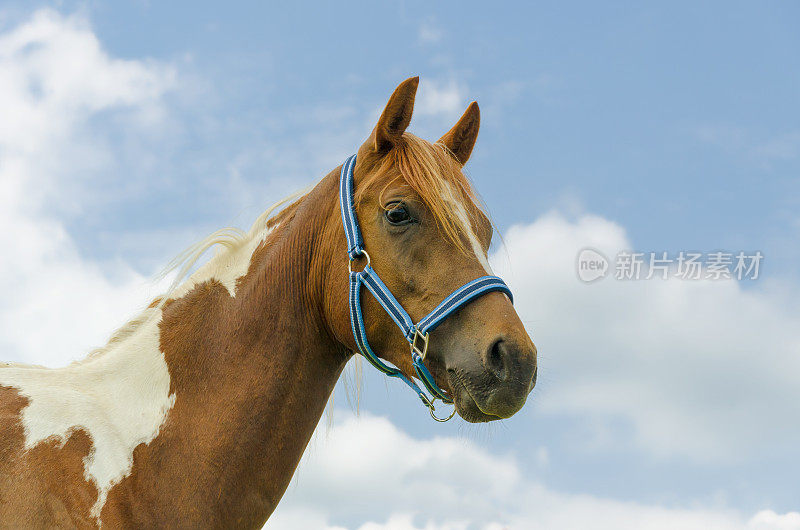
point(416, 334)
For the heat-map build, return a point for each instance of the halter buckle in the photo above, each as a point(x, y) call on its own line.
point(423, 342)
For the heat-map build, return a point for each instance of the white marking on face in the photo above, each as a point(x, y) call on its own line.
point(461, 213)
point(120, 398)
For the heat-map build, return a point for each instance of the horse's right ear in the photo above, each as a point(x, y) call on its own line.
point(395, 117)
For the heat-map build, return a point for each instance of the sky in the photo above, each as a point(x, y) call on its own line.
point(130, 130)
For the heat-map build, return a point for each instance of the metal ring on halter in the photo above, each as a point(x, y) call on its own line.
point(350, 263)
point(431, 409)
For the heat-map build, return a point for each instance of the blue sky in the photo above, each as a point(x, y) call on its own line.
point(671, 127)
point(661, 118)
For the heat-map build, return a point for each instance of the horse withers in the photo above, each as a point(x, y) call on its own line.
point(197, 411)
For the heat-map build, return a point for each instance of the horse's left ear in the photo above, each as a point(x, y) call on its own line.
point(396, 116)
point(461, 138)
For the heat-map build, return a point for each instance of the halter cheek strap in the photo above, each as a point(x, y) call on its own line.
point(416, 334)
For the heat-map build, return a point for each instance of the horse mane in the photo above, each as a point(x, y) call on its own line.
point(227, 240)
point(435, 174)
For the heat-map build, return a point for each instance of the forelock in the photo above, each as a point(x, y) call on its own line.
point(433, 172)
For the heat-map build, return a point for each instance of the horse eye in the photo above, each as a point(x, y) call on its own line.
point(397, 214)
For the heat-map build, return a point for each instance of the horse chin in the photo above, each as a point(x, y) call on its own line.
point(473, 414)
point(466, 406)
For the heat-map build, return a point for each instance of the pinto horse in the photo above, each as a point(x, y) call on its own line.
point(196, 413)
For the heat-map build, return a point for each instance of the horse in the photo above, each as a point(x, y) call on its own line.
point(197, 411)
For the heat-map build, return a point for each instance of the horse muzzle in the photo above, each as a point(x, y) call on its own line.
point(495, 384)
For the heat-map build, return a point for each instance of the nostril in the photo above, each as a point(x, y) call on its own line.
point(496, 359)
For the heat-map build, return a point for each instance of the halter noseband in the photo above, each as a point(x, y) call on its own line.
point(416, 334)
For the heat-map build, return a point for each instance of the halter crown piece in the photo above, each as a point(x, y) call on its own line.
point(416, 334)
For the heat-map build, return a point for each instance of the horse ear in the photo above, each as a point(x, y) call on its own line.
point(396, 116)
point(461, 138)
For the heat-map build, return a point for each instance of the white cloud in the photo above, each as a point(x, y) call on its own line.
point(724, 136)
point(429, 33)
point(783, 147)
point(54, 79)
point(368, 475)
point(767, 519)
point(445, 99)
point(699, 368)
point(738, 140)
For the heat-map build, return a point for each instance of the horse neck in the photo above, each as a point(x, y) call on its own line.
point(251, 373)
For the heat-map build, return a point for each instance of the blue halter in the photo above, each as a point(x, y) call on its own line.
point(416, 334)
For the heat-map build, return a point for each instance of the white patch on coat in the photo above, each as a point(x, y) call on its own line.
point(227, 266)
point(463, 217)
point(120, 398)
point(233, 258)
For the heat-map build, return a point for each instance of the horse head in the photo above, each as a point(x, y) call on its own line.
point(427, 236)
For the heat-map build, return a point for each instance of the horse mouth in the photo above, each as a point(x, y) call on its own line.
point(466, 405)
